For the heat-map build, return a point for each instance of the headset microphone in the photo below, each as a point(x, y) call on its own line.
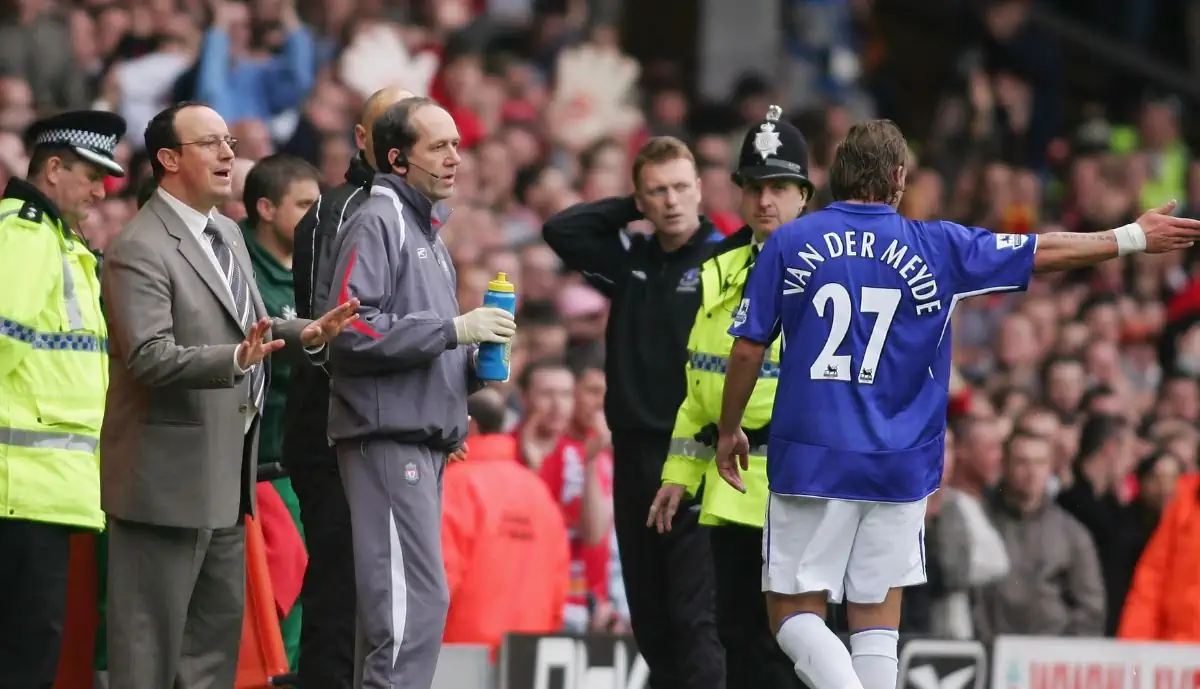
point(409, 163)
point(403, 161)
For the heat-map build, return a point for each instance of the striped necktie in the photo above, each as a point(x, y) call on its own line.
point(240, 289)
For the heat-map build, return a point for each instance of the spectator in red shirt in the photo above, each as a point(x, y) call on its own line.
point(546, 445)
point(589, 427)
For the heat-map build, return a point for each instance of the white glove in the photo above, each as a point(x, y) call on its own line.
point(485, 324)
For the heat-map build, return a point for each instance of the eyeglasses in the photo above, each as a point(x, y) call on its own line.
point(212, 143)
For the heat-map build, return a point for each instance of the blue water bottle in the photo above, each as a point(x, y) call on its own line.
point(493, 359)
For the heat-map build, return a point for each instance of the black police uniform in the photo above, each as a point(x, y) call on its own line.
point(772, 150)
point(327, 627)
point(35, 556)
point(655, 296)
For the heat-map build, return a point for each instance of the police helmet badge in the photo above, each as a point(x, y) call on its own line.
point(766, 141)
point(411, 474)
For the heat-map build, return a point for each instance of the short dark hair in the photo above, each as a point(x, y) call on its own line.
point(552, 364)
point(486, 407)
point(586, 359)
point(538, 313)
point(964, 424)
point(41, 155)
point(1020, 435)
point(1059, 361)
point(527, 178)
point(394, 129)
point(145, 190)
point(270, 179)
point(865, 163)
point(589, 157)
point(160, 133)
point(1097, 430)
point(1146, 466)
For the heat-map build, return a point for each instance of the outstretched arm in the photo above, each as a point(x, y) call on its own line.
point(1156, 232)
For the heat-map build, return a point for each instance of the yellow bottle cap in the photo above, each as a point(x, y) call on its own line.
point(501, 284)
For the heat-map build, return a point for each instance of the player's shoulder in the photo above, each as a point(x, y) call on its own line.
point(953, 233)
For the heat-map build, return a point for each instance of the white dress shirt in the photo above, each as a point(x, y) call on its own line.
point(196, 223)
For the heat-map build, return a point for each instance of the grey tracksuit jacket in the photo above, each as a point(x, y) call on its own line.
point(398, 371)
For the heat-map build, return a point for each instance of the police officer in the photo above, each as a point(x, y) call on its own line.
point(773, 174)
point(53, 379)
point(653, 283)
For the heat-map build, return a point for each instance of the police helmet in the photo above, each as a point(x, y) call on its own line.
point(92, 134)
point(773, 149)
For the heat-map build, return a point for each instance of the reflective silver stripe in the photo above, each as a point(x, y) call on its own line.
point(49, 440)
point(74, 315)
point(690, 447)
point(714, 363)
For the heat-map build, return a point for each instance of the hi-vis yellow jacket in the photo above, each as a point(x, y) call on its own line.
point(53, 366)
point(690, 462)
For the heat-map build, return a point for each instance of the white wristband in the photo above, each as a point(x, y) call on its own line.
point(1131, 239)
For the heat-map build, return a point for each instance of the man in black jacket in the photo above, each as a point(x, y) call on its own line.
point(653, 283)
point(328, 623)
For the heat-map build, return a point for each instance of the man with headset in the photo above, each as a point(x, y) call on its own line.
point(398, 390)
point(327, 625)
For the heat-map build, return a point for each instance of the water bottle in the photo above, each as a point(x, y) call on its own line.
point(493, 359)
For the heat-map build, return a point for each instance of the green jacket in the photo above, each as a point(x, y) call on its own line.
point(275, 284)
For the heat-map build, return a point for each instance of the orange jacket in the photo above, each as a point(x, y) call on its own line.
point(505, 545)
point(1164, 602)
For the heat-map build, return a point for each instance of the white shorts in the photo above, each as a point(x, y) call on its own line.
point(856, 550)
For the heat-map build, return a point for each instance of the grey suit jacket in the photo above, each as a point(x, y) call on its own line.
point(173, 447)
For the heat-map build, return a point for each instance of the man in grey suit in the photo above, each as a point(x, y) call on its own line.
point(188, 347)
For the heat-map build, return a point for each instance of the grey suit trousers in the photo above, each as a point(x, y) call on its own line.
point(395, 497)
point(181, 593)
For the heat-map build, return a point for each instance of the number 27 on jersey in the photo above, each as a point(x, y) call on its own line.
point(836, 302)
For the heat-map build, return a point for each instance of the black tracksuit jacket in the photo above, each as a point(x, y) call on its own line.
point(655, 296)
point(305, 440)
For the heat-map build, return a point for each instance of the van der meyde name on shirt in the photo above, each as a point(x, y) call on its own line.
point(853, 244)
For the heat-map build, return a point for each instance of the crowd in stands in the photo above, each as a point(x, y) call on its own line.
point(1075, 406)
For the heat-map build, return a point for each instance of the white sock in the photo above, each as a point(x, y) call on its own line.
point(874, 654)
point(820, 656)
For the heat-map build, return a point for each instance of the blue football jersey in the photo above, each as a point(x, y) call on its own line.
point(862, 298)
